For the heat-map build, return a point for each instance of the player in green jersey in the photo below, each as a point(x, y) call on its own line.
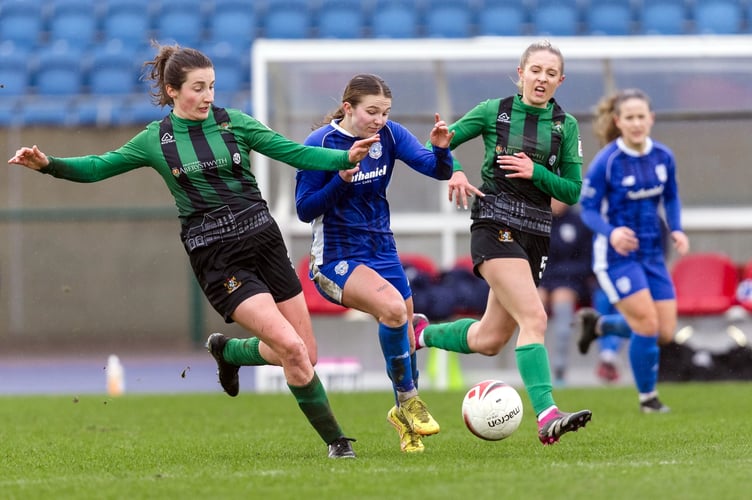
point(532, 154)
point(234, 246)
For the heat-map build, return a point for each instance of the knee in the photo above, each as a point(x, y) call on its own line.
point(393, 313)
point(295, 353)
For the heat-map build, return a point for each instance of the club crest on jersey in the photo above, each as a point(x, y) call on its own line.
point(552, 160)
point(224, 125)
point(176, 172)
point(505, 236)
point(232, 284)
point(376, 150)
point(624, 285)
point(236, 159)
point(341, 268)
point(661, 172)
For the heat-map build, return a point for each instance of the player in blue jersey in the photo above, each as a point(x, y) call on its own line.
point(628, 181)
point(354, 260)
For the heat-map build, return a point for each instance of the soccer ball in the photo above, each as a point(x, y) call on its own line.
point(492, 410)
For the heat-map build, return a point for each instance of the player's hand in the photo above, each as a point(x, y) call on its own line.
point(360, 148)
point(518, 165)
point(624, 240)
point(681, 242)
point(441, 137)
point(31, 157)
point(347, 175)
point(460, 190)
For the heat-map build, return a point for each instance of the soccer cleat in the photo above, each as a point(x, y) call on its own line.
point(410, 441)
point(654, 405)
point(228, 373)
point(416, 414)
point(341, 448)
point(420, 322)
point(607, 372)
point(584, 322)
point(558, 423)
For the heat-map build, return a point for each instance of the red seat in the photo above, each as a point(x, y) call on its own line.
point(316, 303)
point(422, 264)
point(705, 284)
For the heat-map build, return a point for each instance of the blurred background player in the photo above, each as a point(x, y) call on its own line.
point(566, 282)
point(630, 180)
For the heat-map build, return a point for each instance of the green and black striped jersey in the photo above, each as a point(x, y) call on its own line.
point(205, 164)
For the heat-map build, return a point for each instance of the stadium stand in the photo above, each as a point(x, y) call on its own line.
point(41, 30)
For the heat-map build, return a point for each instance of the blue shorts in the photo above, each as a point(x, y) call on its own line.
point(330, 278)
point(629, 276)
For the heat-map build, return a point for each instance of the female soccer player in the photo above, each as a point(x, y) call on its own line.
point(354, 260)
point(234, 246)
point(532, 153)
point(627, 182)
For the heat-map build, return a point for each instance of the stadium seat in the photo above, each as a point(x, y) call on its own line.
point(503, 18)
point(288, 19)
point(231, 67)
point(112, 69)
point(47, 110)
point(556, 17)
point(97, 111)
point(14, 70)
point(140, 110)
point(718, 17)
point(609, 18)
point(235, 22)
point(10, 110)
point(341, 19)
point(705, 284)
point(180, 21)
point(57, 70)
point(395, 19)
point(316, 303)
point(128, 21)
point(663, 17)
point(21, 22)
point(744, 290)
point(449, 19)
point(75, 21)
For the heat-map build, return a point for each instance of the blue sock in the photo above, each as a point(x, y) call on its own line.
point(615, 324)
point(610, 343)
point(396, 349)
point(644, 357)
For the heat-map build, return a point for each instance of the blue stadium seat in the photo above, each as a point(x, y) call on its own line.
point(14, 70)
point(718, 17)
point(233, 21)
point(663, 17)
point(180, 21)
point(556, 17)
point(289, 19)
point(450, 19)
point(97, 111)
point(57, 70)
point(112, 69)
point(341, 19)
point(75, 21)
point(47, 110)
point(609, 17)
point(10, 110)
point(141, 110)
point(503, 18)
point(129, 21)
point(21, 22)
point(231, 67)
point(395, 19)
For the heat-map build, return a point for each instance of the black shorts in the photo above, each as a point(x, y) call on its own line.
point(230, 272)
point(492, 240)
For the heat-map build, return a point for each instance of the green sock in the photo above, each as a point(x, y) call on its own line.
point(449, 336)
point(244, 352)
point(315, 405)
point(532, 361)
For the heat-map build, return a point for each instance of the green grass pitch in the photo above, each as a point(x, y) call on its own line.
point(260, 446)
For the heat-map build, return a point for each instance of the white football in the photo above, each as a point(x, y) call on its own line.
point(492, 410)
